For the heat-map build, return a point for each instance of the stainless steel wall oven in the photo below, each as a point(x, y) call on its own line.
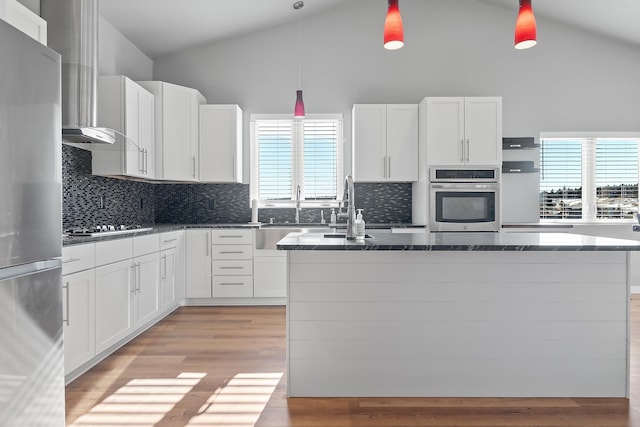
point(464, 199)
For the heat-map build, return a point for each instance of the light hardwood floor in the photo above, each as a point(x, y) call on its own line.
point(224, 366)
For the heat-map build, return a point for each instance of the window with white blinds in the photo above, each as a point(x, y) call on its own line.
point(288, 153)
point(589, 178)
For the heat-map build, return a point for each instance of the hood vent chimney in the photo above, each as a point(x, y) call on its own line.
point(73, 32)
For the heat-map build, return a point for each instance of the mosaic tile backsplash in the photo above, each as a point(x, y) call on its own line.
point(90, 200)
point(94, 200)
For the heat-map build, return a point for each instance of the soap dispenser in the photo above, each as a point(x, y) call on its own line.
point(359, 225)
point(332, 218)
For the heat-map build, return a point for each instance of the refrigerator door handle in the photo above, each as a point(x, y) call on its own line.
point(66, 301)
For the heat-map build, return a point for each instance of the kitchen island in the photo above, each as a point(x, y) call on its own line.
point(458, 314)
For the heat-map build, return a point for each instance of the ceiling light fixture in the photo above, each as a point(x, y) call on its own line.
point(298, 109)
point(525, 36)
point(393, 32)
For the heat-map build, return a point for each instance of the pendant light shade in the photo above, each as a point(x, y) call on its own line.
point(393, 32)
point(525, 36)
point(298, 110)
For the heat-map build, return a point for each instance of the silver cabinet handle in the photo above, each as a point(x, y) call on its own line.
point(384, 166)
point(207, 243)
point(134, 278)
point(231, 284)
point(164, 267)
point(468, 150)
point(66, 261)
point(169, 240)
point(389, 168)
point(138, 278)
point(231, 252)
point(462, 152)
point(231, 268)
point(66, 288)
point(234, 166)
point(230, 237)
point(194, 166)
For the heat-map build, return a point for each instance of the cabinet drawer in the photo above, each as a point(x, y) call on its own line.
point(168, 240)
point(232, 287)
point(113, 251)
point(232, 251)
point(232, 237)
point(78, 258)
point(233, 267)
point(146, 244)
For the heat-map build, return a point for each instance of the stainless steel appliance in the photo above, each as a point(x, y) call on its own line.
point(31, 355)
point(464, 199)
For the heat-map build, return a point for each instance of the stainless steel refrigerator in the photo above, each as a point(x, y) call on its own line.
point(31, 354)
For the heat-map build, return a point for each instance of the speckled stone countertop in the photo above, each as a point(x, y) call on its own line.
point(467, 241)
point(162, 228)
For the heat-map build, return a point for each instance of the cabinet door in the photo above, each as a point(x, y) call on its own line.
point(445, 131)
point(146, 288)
point(483, 131)
point(79, 318)
point(167, 279)
point(146, 131)
point(270, 276)
point(198, 264)
point(220, 143)
point(134, 155)
point(369, 141)
point(114, 303)
point(181, 273)
point(402, 142)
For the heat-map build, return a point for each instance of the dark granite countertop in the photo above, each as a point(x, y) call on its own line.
point(467, 241)
point(161, 228)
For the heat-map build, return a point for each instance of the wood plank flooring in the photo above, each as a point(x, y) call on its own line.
point(225, 366)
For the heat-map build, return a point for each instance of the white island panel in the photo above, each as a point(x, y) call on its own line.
point(474, 323)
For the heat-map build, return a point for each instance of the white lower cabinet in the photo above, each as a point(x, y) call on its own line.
point(167, 279)
point(198, 263)
point(78, 318)
point(146, 289)
point(232, 263)
point(114, 303)
point(270, 274)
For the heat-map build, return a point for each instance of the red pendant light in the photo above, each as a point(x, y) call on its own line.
point(525, 36)
point(393, 32)
point(298, 109)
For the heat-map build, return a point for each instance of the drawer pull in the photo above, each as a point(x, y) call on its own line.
point(231, 252)
point(231, 237)
point(66, 261)
point(169, 241)
point(231, 268)
point(231, 284)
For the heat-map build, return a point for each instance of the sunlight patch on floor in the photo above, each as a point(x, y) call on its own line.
point(240, 402)
point(141, 402)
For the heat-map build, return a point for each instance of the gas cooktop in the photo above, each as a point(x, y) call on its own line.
point(106, 230)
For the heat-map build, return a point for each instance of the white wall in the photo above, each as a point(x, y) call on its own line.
point(117, 55)
point(571, 80)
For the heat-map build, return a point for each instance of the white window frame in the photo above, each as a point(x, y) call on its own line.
point(297, 173)
point(588, 167)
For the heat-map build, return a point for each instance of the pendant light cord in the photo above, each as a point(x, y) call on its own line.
point(299, 51)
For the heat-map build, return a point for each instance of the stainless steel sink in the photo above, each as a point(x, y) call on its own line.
point(268, 235)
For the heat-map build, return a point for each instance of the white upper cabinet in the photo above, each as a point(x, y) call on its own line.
point(464, 131)
point(125, 106)
point(220, 136)
point(24, 19)
point(385, 142)
point(176, 130)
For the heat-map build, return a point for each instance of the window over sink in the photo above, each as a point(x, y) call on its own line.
point(589, 176)
point(287, 153)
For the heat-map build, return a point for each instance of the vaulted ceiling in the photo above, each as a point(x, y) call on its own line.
point(161, 27)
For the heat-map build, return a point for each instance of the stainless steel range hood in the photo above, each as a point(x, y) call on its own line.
point(72, 27)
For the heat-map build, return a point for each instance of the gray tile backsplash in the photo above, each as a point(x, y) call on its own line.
point(90, 200)
point(95, 200)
